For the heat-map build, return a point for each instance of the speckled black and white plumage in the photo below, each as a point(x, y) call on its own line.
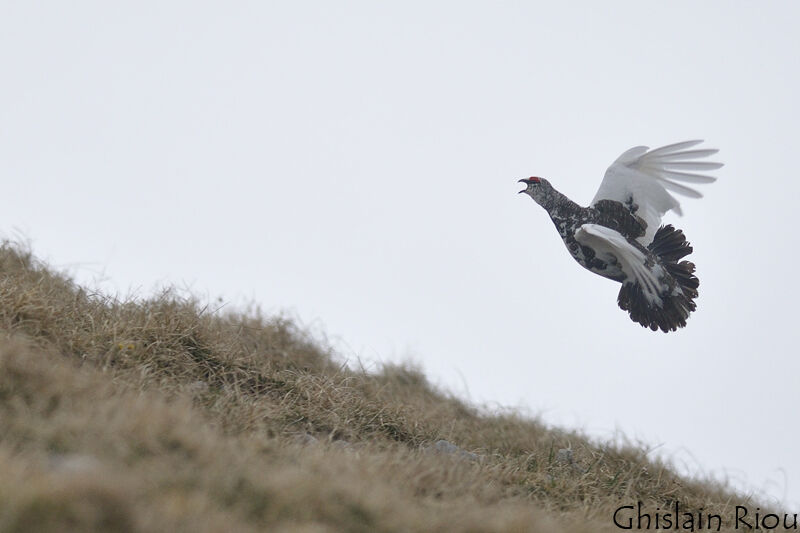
point(620, 236)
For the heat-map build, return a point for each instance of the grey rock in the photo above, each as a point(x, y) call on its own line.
point(444, 447)
point(73, 463)
point(306, 438)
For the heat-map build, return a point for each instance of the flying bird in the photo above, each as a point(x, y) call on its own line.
point(620, 236)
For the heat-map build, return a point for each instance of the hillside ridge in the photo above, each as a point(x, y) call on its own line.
point(158, 415)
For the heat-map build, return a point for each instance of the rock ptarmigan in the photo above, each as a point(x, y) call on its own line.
point(620, 236)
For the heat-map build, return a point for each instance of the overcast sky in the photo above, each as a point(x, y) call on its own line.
point(355, 165)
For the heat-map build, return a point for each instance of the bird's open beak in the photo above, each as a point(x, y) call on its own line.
point(525, 181)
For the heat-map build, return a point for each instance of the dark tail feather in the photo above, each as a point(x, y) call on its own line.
point(670, 246)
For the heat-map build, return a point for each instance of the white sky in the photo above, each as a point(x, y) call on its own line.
point(356, 166)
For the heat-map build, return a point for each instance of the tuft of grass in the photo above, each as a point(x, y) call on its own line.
point(161, 415)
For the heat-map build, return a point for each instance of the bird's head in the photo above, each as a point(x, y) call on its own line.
point(537, 188)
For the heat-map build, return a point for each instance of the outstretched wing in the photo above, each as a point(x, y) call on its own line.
point(643, 181)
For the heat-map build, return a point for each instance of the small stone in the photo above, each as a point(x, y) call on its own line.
point(306, 439)
point(443, 446)
point(198, 387)
point(73, 463)
point(564, 456)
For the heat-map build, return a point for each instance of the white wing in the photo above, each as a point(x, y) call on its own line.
point(646, 179)
point(612, 247)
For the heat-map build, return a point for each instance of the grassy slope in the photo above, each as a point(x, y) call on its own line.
point(160, 416)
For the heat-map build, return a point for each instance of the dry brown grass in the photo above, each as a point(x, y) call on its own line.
point(160, 415)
